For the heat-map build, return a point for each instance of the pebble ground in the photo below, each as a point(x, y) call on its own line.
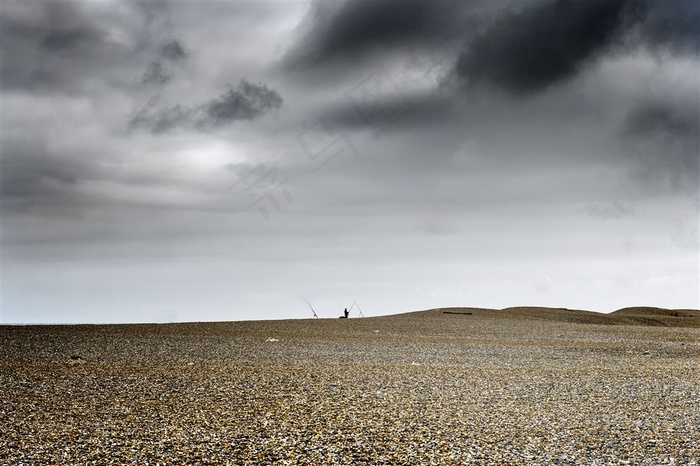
point(422, 388)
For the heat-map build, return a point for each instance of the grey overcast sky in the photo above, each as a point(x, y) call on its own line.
point(223, 160)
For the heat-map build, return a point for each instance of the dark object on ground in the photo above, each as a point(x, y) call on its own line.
point(458, 313)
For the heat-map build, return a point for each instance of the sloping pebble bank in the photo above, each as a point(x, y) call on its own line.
point(433, 391)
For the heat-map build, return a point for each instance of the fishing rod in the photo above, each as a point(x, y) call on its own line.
point(312, 308)
point(354, 303)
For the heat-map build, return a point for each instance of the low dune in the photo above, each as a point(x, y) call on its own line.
point(645, 316)
point(659, 316)
point(524, 385)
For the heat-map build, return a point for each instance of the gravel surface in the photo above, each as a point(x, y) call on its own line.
point(423, 388)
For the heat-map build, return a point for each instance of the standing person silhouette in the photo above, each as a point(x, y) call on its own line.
point(346, 313)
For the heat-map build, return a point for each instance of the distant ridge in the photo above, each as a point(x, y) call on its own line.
point(640, 315)
point(656, 312)
point(559, 314)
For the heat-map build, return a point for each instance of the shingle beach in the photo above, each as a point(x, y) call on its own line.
point(445, 386)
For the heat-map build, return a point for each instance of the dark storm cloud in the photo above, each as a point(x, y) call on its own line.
point(246, 102)
point(518, 47)
point(360, 27)
point(672, 23)
point(544, 44)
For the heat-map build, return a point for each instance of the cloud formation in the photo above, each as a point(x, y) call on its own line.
point(156, 74)
point(353, 29)
point(673, 24)
point(159, 72)
point(246, 102)
point(64, 47)
point(518, 47)
point(551, 42)
point(542, 45)
point(172, 50)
